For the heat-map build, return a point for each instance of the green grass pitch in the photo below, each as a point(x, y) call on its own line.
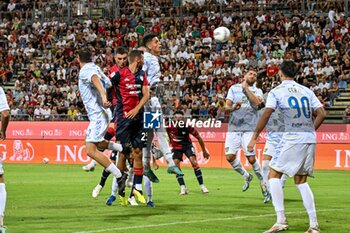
point(57, 198)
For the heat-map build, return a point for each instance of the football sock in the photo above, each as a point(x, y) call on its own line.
point(138, 178)
point(164, 147)
point(115, 146)
point(309, 203)
point(198, 173)
point(146, 158)
point(257, 170)
point(265, 171)
point(148, 188)
point(3, 196)
point(104, 177)
point(180, 180)
point(277, 199)
point(114, 170)
point(236, 164)
point(114, 186)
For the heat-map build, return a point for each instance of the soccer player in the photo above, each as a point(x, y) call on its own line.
point(295, 155)
point(131, 83)
point(152, 69)
point(274, 133)
point(5, 118)
point(244, 100)
point(179, 135)
point(121, 61)
point(93, 93)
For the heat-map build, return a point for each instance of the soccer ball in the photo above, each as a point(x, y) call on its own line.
point(221, 34)
point(45, 160)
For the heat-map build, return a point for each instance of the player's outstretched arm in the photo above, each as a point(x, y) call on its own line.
point(145, 97)
point(320, 116)
point(259, 127)
point(5, 118)
point(98, 85)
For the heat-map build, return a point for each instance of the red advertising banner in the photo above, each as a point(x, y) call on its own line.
point(328, 156)
point(337, 133)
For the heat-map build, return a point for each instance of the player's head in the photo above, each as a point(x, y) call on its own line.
point(152, 42)
point(84, 55)
point(136, 56)
point(287, 70)
point(178, 115)
point(250, 77)
point(121, 57)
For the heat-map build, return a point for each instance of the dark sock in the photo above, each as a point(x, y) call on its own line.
point(104, 177)
point(180, 180)
point(199, 176)
point(121, 184)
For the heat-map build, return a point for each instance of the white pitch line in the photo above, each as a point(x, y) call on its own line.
point(203, 221)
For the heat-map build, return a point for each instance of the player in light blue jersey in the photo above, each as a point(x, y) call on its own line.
point(274, 133)
point(295, 155)
point(152, 69)
point(244, 100)
point(5, 118)
point(92, 87)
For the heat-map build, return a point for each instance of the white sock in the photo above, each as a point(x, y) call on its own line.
point(114, 170)
point(283, 180)
point(148, 188)
point(115, 146)
point(182, 186)
point(146, 158)
point(3, 196)
point(138, 187)
point(114, 187)
point(309, 203)
point(257, 170)
point(236, 164)
point(265, 171)
point(277, 195)
point(165, 148)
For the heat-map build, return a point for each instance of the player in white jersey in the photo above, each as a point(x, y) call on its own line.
point(243, 100)
point(92, 84)
point(152, 69)
point(5, 118)
point(274, 132)
point(296, 153)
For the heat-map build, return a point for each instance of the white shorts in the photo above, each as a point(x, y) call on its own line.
point(1, 168)
point(98, 128)
point(294, 159)
point(270, 149)
point(235, 140)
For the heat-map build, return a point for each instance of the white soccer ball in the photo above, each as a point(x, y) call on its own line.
point(221, 34)
point(45, 160)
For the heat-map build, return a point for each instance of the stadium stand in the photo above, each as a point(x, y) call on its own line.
point(39, 40)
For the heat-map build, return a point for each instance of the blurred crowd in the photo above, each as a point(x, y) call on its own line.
point(39, 57)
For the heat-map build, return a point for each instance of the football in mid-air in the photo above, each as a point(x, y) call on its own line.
point(45, 160)
point(221, 34)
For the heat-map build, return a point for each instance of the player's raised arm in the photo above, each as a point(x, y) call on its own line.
point(101, 90)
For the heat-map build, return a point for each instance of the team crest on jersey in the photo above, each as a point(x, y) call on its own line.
point(227, 149)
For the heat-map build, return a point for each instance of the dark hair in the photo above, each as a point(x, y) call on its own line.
point(178, 112)
point(134, 54)
point(85, 55)
point(121, 50)
point(288, 68)
point(148, 38)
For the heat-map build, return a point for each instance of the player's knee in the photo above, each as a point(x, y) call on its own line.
point(251, 159)
point(194, 164)
point(230, 158)
point(90, 149)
